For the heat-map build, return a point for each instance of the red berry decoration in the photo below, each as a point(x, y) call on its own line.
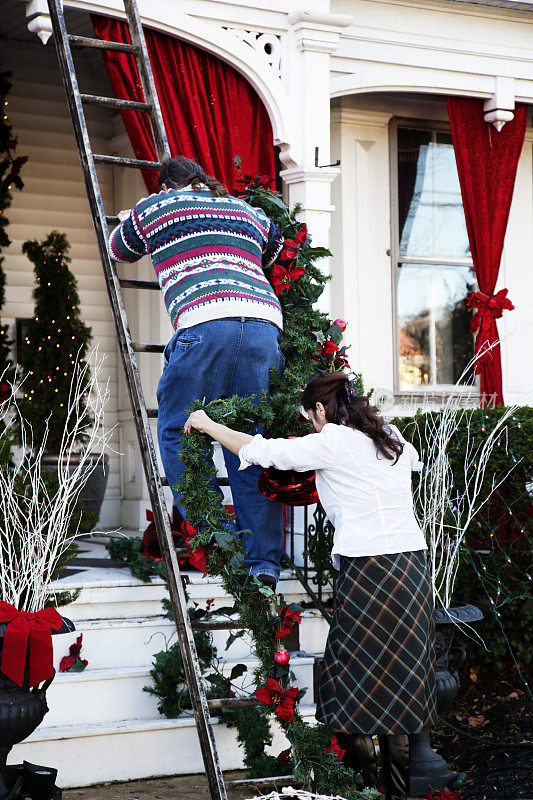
point(282, 657)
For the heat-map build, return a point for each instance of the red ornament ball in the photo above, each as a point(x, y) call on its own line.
point(282, 657)
point(341, 323)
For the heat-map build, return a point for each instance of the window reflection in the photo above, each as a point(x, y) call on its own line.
point(431, 215)
point(434, 327)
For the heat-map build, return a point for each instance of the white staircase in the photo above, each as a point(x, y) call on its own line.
point(101, 725)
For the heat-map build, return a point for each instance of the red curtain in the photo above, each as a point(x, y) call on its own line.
point(486, 162)
point(211, 113)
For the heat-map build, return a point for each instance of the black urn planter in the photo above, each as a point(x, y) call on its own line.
point(92, 494)
point(428, 770)
point(22, 710)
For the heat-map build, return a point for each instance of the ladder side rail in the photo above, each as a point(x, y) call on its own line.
point(147, 78)
point(172, 571)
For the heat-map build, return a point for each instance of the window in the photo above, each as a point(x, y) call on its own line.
point(434, 270)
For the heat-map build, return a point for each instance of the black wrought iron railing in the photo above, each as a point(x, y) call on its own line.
point(308, 532)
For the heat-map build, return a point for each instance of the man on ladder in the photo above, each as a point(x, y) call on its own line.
point(208, 249)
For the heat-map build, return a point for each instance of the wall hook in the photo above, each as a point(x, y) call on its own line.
point(323, 166)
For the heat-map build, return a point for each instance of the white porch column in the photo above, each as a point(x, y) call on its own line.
point(315, 37)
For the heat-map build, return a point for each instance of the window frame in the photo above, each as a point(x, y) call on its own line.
point(470, 392)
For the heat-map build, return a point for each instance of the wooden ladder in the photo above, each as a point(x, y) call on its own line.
point(141, 415)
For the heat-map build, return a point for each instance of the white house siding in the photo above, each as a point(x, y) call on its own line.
point(54, 197)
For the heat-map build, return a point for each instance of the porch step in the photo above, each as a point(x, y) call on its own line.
point(87, 754)
point(116, 694)
point(132, 642)
point(114, 593)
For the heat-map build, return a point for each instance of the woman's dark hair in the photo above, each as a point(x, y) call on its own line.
point(179, 171)
point(344, 406)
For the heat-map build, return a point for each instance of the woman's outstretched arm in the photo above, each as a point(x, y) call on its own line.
point(307, 452)
point(232, 440)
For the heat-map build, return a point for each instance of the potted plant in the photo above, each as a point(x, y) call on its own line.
point(39, 520)
point(55, 340)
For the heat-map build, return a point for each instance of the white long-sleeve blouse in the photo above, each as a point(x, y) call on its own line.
point(367, 497)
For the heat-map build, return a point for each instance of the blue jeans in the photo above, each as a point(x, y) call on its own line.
point(209, 361)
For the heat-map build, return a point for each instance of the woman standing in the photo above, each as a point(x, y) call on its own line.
point(378, 677)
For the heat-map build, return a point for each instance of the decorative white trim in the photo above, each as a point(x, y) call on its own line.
point(356, 116)
point(39, 21)
point(321, 19)
point(499, 108)
point(298, 175)
point(318, 32)
point(266, 45)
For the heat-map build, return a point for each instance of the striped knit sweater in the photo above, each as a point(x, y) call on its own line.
point(208, 253)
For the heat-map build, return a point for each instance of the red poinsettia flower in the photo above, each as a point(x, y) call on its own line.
point(341, 363)
point(289, 619)
point(283, 699)
point(282, 277)
point(197, 556)
point(330, 347)
point(284, 756)
point(291, 246)
point(73, 660)
point(335, 747)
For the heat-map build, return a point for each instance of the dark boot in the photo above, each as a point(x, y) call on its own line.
point(360, 756)
point(395, 758)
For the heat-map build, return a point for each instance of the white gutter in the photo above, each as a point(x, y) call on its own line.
point(512, 5)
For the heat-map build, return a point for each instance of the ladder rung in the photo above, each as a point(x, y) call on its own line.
point(111, 220)
point(181, 552)
point(119, 161)
point(151, 413)
point(274, 780)
point(232, 702)
point(218, 625)
point(114, 102)
point(131, 283)
point(99, 44)
point(148, 348)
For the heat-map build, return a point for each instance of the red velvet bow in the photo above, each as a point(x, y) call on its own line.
point(26, 628)
point(487, 306)
point(483, 323)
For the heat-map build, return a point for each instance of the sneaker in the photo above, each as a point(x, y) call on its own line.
point(268, 580)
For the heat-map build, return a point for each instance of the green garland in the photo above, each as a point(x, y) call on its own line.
point(311, 343)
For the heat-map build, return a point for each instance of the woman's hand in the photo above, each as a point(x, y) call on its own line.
point(122, 215)
point(200, 421)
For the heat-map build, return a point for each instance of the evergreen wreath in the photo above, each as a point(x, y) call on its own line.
point(311, 343)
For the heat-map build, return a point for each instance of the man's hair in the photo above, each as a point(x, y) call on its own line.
point(179, 171)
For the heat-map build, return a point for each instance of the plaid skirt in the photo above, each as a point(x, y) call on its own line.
point(379, 666)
